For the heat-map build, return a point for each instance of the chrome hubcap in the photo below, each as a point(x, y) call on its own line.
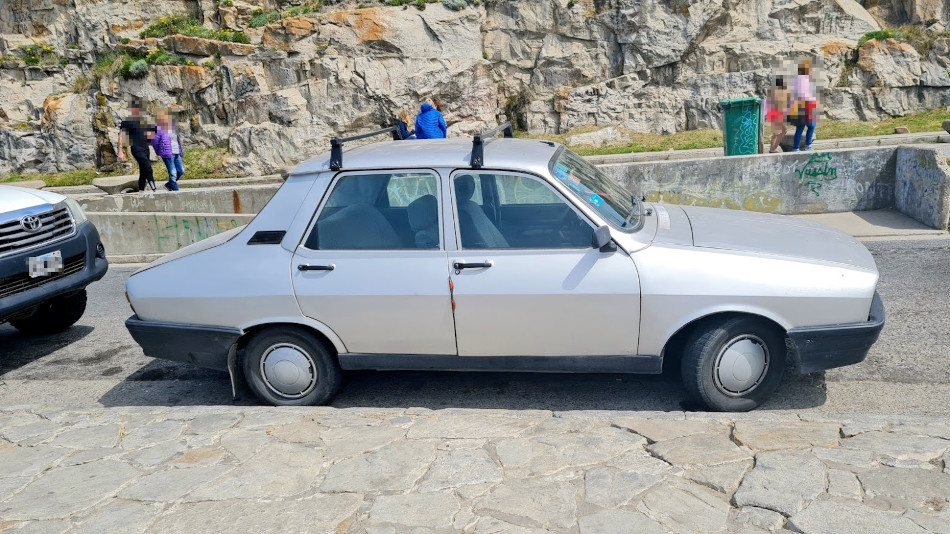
point(288, 370)
point(741, 365)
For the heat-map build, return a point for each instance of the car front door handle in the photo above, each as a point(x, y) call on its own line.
point(459, 265)
point(303, 267)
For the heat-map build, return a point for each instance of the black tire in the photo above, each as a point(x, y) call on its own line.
point(714, 342)
point(298, 353)
point(54, 315)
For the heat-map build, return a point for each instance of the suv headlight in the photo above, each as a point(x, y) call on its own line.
point(78, 215)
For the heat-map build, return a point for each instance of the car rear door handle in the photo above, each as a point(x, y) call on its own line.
point(481, 265)
point(303, 267)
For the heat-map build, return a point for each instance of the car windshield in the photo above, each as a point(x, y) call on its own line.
point(598, 191)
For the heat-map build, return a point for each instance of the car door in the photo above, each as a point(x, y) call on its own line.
point(373, 267)
point(527, 282)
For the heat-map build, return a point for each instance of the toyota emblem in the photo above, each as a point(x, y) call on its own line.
point(31, 223)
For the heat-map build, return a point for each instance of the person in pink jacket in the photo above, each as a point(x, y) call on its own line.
point(167, 144)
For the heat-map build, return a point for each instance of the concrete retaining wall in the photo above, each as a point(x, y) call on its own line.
point(153, 233)
point(801, 182)
point(247, 199)
point(923, 186)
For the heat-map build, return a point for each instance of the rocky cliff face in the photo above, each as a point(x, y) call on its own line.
point(551, 65)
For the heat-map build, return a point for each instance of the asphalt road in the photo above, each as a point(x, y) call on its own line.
point(96, 363)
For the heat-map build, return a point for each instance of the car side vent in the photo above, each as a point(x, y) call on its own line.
point(336, 144)
point(478, 145)
point(267, 237)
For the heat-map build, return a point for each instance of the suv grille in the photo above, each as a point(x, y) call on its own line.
point(56, 224)
point(19, 283)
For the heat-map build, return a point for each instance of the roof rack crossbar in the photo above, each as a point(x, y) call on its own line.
point(336, 144)
point(478, 143)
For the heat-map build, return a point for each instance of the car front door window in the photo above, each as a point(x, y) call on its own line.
point(500, 211)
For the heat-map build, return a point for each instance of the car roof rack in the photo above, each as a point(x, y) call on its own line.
point(336, 144)
point(478, 145)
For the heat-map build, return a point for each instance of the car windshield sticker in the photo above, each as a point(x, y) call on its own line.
point(596, 200)
point(560, 170)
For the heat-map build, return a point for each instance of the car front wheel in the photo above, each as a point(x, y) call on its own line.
point(287, 366)
point(54, 315)
point(735, 364)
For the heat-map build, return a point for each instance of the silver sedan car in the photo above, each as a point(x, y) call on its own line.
point(504, 255)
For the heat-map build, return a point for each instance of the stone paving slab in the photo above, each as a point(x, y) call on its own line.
point(220, 469)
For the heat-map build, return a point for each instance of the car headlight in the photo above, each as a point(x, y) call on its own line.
point(78, 215)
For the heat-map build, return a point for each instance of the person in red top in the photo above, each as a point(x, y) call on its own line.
point(776, 106)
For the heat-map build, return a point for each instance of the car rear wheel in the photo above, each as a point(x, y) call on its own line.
point(54, 315)
point(287, 366)
point(735, 364)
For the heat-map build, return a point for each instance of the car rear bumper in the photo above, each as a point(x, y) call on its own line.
point(204, 346)
point(825, 347)
point(83, 249)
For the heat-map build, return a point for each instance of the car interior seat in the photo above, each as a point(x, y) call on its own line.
point(424, 221)
point(477, 229)
point(357, 226)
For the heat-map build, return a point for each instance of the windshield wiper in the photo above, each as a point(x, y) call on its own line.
point(634, 210)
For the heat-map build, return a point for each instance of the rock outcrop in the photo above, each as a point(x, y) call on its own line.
point(549, 65)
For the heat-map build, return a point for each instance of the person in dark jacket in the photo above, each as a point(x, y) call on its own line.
point(402, 121)
point(138, 133)
point(429, 123)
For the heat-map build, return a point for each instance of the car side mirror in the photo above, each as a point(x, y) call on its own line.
point(601, 240)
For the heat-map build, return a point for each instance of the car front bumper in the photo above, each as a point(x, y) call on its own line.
point(817, 348)
point(204, 346)
point(83, 245)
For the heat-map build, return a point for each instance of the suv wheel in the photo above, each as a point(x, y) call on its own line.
point(734, 365)
point(54, 315)
point(287, 366)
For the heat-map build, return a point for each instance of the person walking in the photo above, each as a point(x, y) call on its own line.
point(805, 107)
point(135, 132)
point(402, 122)
point(776, 106)
point(429, 122)
point(167, 144)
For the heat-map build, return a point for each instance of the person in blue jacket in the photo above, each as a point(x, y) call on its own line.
point(429, 122)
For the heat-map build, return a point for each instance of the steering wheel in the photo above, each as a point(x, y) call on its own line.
point(572, 229)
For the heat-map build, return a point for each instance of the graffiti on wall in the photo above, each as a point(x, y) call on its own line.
point(187, 230)
point(816, 172)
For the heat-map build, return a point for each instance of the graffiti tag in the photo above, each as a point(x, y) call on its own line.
point(816, 172)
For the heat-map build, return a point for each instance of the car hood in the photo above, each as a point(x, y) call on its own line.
point(776, 235)
point(18, 198)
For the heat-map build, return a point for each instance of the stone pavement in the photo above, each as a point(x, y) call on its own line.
point(261, 469)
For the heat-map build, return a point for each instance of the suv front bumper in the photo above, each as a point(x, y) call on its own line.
point(817, 348)
point(84, 244)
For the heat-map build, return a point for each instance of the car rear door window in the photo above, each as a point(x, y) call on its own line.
point(379, 211)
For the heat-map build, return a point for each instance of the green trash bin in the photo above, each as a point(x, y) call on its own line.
point(740, 124)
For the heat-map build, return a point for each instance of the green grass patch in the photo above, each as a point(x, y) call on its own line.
point(199, 163)
point(58, 179)
point(263, 18)
point(181, 25)
point(927, 121)
point(38, 53)
point(918, 37)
